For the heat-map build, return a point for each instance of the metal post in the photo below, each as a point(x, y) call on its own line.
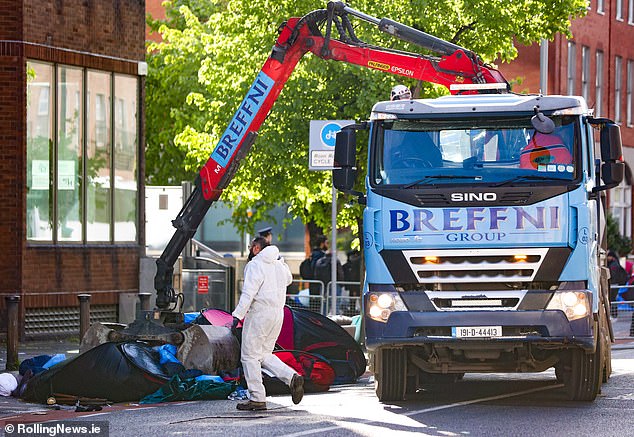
point(543, 66)
point(145, 301)
point(333, 248)
point(13, 332)
point(84, 314)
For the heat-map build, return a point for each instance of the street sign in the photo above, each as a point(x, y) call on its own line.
point(321, 152)
point(203, 284)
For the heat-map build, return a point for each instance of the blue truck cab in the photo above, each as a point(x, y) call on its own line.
point(484, 239)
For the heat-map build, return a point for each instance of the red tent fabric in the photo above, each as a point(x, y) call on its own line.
point(307, 331)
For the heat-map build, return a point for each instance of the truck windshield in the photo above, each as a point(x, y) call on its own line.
point(492, 151)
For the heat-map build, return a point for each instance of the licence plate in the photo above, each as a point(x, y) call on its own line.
point(476, 331)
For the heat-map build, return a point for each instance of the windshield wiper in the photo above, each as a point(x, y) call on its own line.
point(427, 179)
point(527, 178)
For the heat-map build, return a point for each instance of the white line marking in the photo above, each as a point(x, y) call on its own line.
point(487, 399)
point(428, 410)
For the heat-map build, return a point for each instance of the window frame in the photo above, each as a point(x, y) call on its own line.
point(618, 83)
point(571, 68)
point(54, 102)
point(630, 94)
point(598, 84)
point(585, 72)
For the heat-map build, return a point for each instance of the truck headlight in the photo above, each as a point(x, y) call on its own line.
point(575, 304)
point(381, 305)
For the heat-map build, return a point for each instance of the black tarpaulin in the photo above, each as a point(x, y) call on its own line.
point(118, 372)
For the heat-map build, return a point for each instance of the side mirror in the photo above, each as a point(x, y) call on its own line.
point(613, 167)
point(612, 174)
point(344, 178)
point(346, 148)
point(611, 148)
point(344, 174)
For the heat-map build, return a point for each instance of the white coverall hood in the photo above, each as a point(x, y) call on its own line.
point(268, 254)
point(266, 277)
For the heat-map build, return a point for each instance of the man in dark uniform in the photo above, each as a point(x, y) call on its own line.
point(266, 234)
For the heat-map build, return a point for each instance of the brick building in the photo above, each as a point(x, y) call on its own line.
point(598, 64)
point(71, 126)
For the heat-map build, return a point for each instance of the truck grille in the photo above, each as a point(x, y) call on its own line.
point(470, 265)
point(470, 304)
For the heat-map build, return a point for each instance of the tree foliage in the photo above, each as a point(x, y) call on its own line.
point(211, 52)
point(617, 242)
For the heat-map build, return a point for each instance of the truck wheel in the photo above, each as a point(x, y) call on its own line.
point(390, 374)
point(583, 380)
point(607, 368)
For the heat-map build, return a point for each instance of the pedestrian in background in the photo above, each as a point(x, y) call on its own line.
point(261, 305)
point(266, 234)
point(319, 251)
point(618, 276)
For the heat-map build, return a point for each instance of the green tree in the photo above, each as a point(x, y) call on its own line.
point(617, 242)
point(210, 56)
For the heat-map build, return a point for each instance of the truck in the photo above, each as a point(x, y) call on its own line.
point(473, 262)
point(484, 238)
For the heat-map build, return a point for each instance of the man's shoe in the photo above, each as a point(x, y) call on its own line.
point(252, 406)
point(297, 388)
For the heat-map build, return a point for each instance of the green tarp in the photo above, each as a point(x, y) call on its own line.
point(177, 389)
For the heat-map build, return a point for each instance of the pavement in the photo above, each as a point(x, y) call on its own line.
point(16, 409)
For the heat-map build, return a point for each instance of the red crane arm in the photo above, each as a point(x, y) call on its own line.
point(294, 41)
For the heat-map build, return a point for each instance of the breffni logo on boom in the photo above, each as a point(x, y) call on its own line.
point(473, 197)
point(242, 119)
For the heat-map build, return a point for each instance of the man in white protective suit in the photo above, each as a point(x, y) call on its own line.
point(261, 305)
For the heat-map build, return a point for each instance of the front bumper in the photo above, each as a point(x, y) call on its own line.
point(549, 329)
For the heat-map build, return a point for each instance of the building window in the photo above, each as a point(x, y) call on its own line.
point(585, 72)
point(98, 158)
point(630, 93)
point(598, 109)
point(600, 7)
point(617, 89)
point(572, 58)
point(125, 162)
point(619, 10)
point(621, 207)
point(80, 187)
point(39, 152)
point(69, 153)
point(630, 12)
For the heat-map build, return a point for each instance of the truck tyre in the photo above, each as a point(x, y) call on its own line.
point(390, 374)
point(585, 375)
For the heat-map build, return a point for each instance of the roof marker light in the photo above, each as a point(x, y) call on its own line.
point(477, 86)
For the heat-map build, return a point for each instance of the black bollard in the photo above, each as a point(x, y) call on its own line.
point(13, 333)
point(84, 314)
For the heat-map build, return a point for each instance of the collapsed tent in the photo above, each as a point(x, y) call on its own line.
point(117, 372)
point(318, 374)
point(311, 332)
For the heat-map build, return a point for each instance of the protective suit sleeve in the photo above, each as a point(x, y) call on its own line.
point(253, 279)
